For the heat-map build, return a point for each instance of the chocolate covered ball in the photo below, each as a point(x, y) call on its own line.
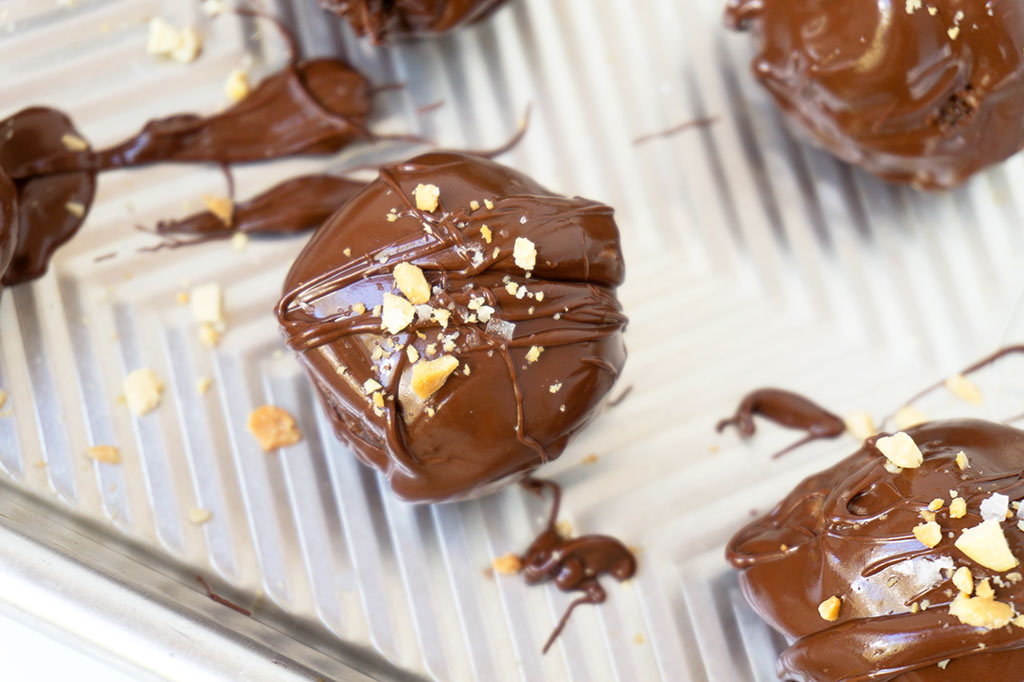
point(383, 20)
point(901, 556)
point(459, 322)
point(918, 92)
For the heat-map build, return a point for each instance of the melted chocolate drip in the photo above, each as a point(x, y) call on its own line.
point(926, 94)
point(787, 409)
point(312, 107)
point(382, 20)
point(8, 221)
point(990, 359)
point(295, 205)
point(508, 414)
point(848, 532)
point(573, 564)
point(49, 209)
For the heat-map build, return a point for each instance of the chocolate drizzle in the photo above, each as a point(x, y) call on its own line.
point(926, 94)
point(382, 20)
point(8, 221)
point(295, 205)
point(51, 208)
point(847, 532)
point(501, 414)
point(787, 409)
point(573, 564)
point(311, 107)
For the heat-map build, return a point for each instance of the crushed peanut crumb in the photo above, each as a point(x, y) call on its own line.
point(396, 313)
point(525, 253)
point(986, 544)
point(928, 534)
point(181, 45)
point(961, 460)
point(957, 508)
point(485, 232)
point(510, 564)
point(222, 207)
point(908, 416)
point(936, 504)
point(829, 609)
point(533, 354)
point(963, 580)
point(236, 87)
point(427, 197)
point(860, 425)
point(964, 389)
point(980, 612)
point(199, 516)
point(203, 385)
point(73, 143)
point(429, 376)
point(107, 454)
point(143, 391)
point(273, 427)
point(412, 283)
point(901, 450)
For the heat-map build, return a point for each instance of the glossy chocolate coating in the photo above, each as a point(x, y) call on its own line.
point(509, 415)
point(382, 20)
point(847, 531)
point(44, 220)
point(8, 221)
point(925, 93)
point(787, 409)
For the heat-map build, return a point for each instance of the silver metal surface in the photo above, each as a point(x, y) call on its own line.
point(752, 259)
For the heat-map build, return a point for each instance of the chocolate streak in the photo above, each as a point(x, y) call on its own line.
point(508, 414)
point(924, 94)
point(847, 531)
point(787, 409)
point(573, 564)
point(295, 205)
point(51, 208)
point(8, 221)
point(317, 106)
point(312, 107)
point(382, 20)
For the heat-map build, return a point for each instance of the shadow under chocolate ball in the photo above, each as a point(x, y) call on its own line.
point(459, 321)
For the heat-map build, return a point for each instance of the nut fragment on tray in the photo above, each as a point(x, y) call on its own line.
point(422, 343)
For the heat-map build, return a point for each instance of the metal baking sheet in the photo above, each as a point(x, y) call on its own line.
point(752, 259)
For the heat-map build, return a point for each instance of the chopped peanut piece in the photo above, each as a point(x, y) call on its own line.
point(962, 461)
point(199, 516)
point(986, 544)
point(510, 564)
point(410, 281)
point(958, 508)
point(75, 208)
point(984, 589)
point(427, 197)
point(907, 417)
point(371, 385)
point(485, 232)
point(222, 207)
point(203, 385)
point(273, 427)
point(963, 580)
point(429, 376)
point(533, 354)
point(208, 304)
point(936, 504)
point(396, 313)
point(143, 391)
point(236, 87)
point(525, 253)
point(964, 389)
point(104, 453)
point(412, 354)
point(901, 450)
point(73, 143)
point(442, 316)
point(860, 425)
point(981, 613)
point(928, 534)
point(181, 45)
point(829, 609)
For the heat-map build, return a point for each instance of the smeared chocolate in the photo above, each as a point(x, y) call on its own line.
point(922, 93)
point(295, 205)
point(8, 221)
point(848, 532)
point(51, 208)
point(573, 564)
point(312, 107)
point(788, 409)
point(508, 414)
point(382, 20)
